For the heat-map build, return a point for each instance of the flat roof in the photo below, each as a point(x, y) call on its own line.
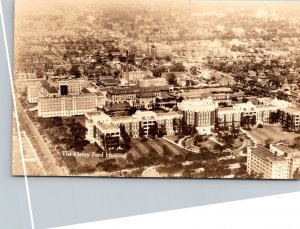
point(266, 154)
point(287, 149)
point(168, 114)
point(228, 109)
point(292, 110)
point(122, 118)
point(135, 90)
point(146, 95)
point(48, 87)
point(108, 127)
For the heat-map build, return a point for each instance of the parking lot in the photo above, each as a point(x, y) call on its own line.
point(274, 132)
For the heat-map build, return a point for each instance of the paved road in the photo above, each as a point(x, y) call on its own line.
point(48, 161)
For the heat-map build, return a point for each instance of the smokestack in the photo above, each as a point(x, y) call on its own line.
point(127, 74)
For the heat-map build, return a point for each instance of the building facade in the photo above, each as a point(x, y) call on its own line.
point(206, 115)
point(67, 105)
point(200, 113)
point(152, 82)
point(278, 162)
point(136, 125)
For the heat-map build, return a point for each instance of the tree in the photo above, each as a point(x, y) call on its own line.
point(109, 165)
point(75, 71)
point(161, 131)
point(274, 117)
point(60, 71)
point(228, 140)
point(178, 67)
point(268, 141)
point(166, 151)
point(126, 137)
point(168, 58)
point(158, 71)
point(141, 132)
point(153, 130)
point(253, 120)
point(245, 121)
point(154, 156)
point(77, 135)
point(172, 79)
point(132, 110)
point(297, 142)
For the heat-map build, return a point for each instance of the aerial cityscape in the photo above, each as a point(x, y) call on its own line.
point(175, 89)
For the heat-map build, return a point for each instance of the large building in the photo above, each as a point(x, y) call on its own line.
point(136, 125)
point(70, 87)
point(290, 118)
point(205, 114)
point(200, 113)
point(130, 94)
point(46, 88)
point(278, 162)
point(152, 82)
point(134, 76)
point(67, 105)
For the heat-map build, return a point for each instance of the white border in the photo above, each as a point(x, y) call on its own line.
point(16, 117)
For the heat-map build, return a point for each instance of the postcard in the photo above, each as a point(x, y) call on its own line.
point(165, 89)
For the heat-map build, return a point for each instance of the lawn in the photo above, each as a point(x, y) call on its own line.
point(271, 132)
point(141, 149)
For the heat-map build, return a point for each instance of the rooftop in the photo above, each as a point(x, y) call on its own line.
point(293, 111)
point(135, 90)
point(49, 87)
point(266, 154)
point(146, 95)
point(286, 149)
point(108, 128)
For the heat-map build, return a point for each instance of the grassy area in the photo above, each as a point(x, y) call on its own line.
point(271, 132)
point(141, 149)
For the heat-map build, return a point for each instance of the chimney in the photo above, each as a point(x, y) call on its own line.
point(127, 74)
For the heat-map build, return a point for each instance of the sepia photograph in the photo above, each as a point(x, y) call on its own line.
point(161, 89)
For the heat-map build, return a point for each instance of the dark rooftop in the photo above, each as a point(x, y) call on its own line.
point(48, 87)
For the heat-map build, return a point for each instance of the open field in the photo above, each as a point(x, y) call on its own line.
point(271, 132)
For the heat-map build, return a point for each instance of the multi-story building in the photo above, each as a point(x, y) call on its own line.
point(134, 125)
point(67, 105)
point(270, 166)
point(129, 94)
point(228, 117)
point(290, 118)
point(278, 162)
point(45, 88)
point(205, 114)
point(134, 76)
point(100, 130)
point(33, 91)
point(200, 113)
point(107, 136)
point(150, 82)
point(120, 95)
point(145, 100)
point(70, 86)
